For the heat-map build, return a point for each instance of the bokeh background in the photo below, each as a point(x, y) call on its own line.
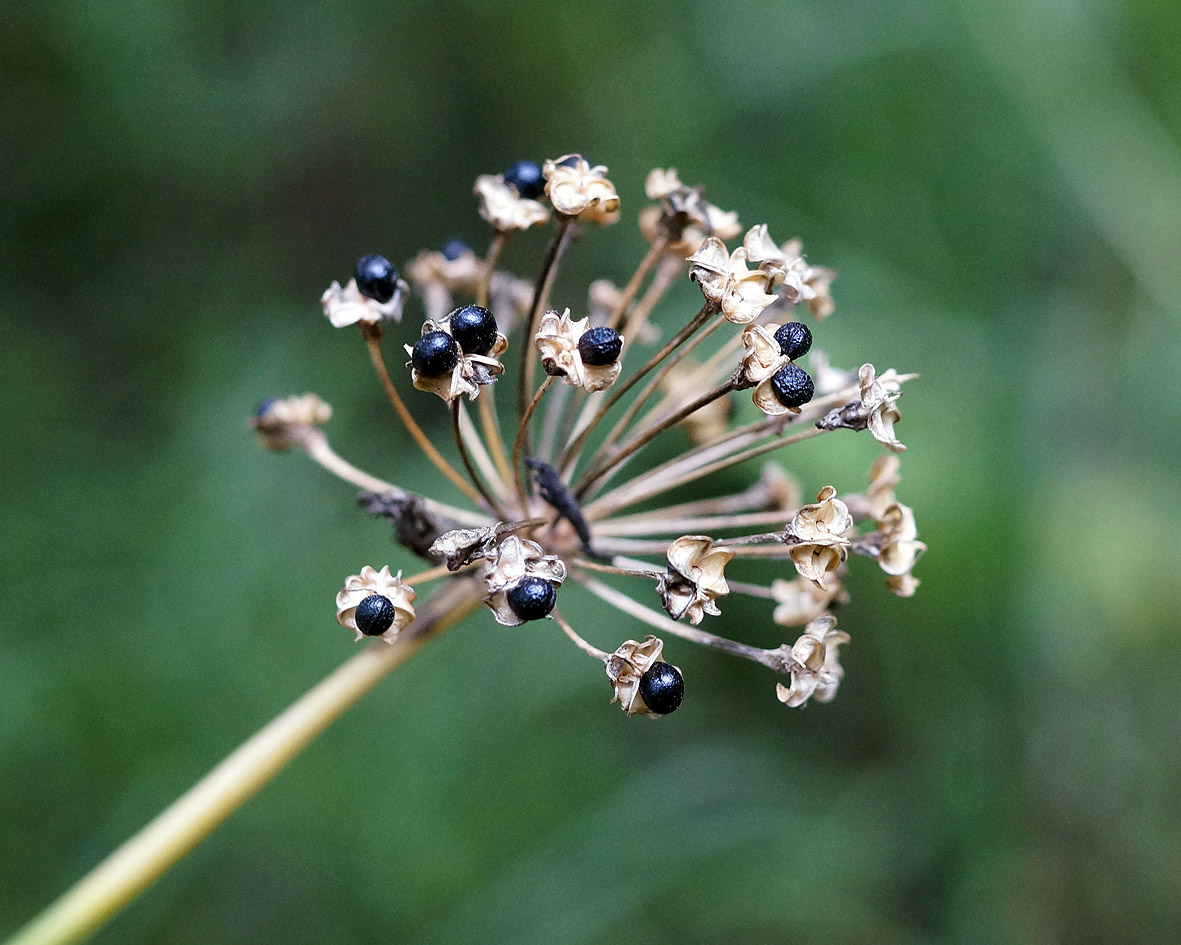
point(999, 185)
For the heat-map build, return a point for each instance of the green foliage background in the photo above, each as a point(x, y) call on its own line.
point(999, 185)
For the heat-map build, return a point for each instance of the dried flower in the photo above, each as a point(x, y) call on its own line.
point(460, 373)
point(557, 342)
point(878, 396)
point(504, 208)
point(546, 504)
point(818, 535)
point(817, 672)
point(514, 561)
point(576, 189)
point(801, 601)
point(726, 281)
point(280, 423)
point(626, 668)
point(358, 587)
point(694, 578)
point(347, 306)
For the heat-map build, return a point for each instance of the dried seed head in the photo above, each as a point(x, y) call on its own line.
point(576, 189)
point(817, 671)
point(357, 612)
point(282, 423)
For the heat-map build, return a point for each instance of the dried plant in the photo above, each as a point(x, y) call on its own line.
point(558, 501)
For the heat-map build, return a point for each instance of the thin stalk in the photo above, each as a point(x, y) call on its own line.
point(495, 248)
point(600, 655)
point(476, 444)
point(630, 493)
point(467, 461)
point(675, 342)
point(315, 444)
point(541, 290)
point(646, 571)
point(634, 407)
point(688, 524)
point(668, 625)
point(374, 343)
point(666, 274)
point(139, 862)
point(519, 441)
point(614, 460)
point(655, 251)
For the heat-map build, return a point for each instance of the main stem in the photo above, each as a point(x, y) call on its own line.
point(144, 858)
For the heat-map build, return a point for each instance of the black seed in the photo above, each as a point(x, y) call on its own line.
point(474, 327)
point(374, 615)
point(265, 405)
point(599, 346)
point(453, 249)
point(572, 161)
point(435, 353)
point(527, 177)
point(794, 339)
point(662, 688)
point(376, 278)
point(533, 598)
point(793, 387)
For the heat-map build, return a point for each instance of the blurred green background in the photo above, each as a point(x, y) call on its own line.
point(999, 185)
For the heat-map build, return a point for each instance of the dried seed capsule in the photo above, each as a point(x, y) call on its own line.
point(474, 327)
point(374, 615)
point(794, 339)
point(533, 598)
point(527, 178)
point(376, 278)
point(600, 346)
point(435, 353)
point(662, 687)
point(793, 387)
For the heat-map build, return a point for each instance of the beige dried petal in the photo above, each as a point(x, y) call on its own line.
point(347, 306)
point(818, 535)
point(878, 398)
point(660, 183)
point(764, 398)
point(817, 672)
point(801, 601)
point(511, 561)
point(579, 190)
point(470, 373)
point(904, 585)
point(785, 266)
point(694, 578)
point(280, 423)
point(557, 342)
point(462, 546)
point(883, 478)
point(461, 275)
point(900, 549)
point(725, 280)
point(370, 581)
point(625, 667)
point(504, 208)
point(762, 356)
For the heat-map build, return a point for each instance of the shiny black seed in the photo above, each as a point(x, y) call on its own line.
point(600, 346)
point(794, 339)
point(792, 386)
point(572, 160)
point(453, 249)
point(435, 353)
point(374, 615)
point(265, 405)
point(527, 177)
point(533, 598)
point(376, 278)
point(662, 688)
point(474, 327)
